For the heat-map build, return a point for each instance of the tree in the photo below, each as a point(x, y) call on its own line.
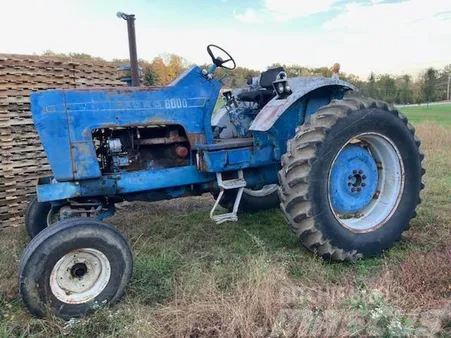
point(85, 56)
point(405, 92)
point(371, 90)
point(158, 68)
point(174, 66)
point(149, 78)
point(428, 87)
point(386, 87)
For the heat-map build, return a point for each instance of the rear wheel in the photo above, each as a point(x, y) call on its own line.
point(351, 179)
point(253, 200)
point(73, 268)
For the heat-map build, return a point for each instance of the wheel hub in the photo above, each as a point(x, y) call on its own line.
point(353, 180)
point(80, 276)
point(79, 270)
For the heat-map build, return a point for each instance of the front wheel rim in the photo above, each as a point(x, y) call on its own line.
point(80, 276)
point(385, 186)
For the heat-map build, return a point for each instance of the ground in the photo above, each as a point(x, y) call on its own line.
point(252, 279)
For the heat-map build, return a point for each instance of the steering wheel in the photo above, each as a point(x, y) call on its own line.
point(218, 61)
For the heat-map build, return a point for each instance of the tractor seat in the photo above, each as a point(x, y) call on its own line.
point(266, 93)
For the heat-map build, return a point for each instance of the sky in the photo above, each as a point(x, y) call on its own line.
point(384, 36)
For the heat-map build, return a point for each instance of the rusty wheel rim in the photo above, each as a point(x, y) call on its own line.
point(80, 276)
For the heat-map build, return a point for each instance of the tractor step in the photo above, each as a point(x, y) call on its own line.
point(235, 183)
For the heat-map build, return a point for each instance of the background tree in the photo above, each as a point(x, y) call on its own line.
point(429, 83)
point(405, 90)
point(429, 86)
point(386, 88)
point(371, 90)
point(149, 78)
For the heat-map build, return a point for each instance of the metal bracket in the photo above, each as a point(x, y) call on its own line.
point(236, 183)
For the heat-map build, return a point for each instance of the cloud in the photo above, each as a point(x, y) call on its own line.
point(283, 10)
point(249, 16)
point(396, 34)
point(385, 37)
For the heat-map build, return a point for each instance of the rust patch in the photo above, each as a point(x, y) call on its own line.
point(200, 162)
point(195, 138)
point(173, 137)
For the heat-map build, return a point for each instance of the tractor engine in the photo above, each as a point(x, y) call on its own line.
point(141, 148)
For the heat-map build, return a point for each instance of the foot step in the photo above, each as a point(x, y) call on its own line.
point(235, 183)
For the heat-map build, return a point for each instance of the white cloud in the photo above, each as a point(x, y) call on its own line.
point(249, 16)
point(395, 38)
point(282, 10)
point(401, 37)
point(392, 35)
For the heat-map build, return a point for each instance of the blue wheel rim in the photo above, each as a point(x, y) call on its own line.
point(353, 180)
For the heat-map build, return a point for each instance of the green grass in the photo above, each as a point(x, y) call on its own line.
point(195, 278)
point(440, 114)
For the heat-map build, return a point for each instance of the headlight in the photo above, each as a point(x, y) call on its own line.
point(287, 88)
point(280, 88)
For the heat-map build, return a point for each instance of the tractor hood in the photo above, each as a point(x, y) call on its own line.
point(65, 119)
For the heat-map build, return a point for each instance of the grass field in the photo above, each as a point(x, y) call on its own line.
point(251, 279)
point(439, 114)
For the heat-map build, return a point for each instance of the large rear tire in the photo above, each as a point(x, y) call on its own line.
point(351, 178)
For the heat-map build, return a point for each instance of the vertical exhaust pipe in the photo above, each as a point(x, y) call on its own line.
point(134, 68)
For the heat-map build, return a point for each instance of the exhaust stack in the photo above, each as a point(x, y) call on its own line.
point(134, 68)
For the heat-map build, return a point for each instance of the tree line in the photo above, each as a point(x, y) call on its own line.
point(429, 86)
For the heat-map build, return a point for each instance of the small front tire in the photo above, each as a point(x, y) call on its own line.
point(73, 268)
point(36, 216)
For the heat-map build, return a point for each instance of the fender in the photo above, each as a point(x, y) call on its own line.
point(300, 86)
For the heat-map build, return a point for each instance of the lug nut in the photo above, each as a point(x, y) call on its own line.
point(363, 184)
point(353, 189)
point(360, 172)
point(359, 189)
point(363, 177)
point(349, 184)
point(350, 177)
point(354, 171)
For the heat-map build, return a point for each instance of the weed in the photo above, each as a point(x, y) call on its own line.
point(379, 318)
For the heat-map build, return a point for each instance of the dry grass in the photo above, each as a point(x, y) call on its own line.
point(421, 281)
point(251, 306)
point(251, 279)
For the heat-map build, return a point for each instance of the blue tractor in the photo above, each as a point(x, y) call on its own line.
point(345, 170)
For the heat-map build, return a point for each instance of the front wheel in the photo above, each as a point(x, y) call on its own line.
point(73, 268)
point(351, 178)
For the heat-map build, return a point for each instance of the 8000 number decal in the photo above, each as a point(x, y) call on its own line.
point(176, 103)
